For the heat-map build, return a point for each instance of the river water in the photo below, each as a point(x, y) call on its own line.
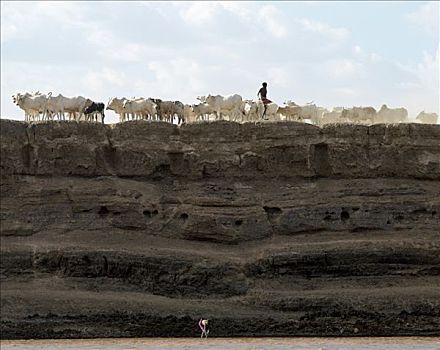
point(391, 343)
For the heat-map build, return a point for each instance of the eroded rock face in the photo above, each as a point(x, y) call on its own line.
point(266, 229)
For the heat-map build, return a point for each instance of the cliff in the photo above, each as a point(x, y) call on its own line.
point(268, 229)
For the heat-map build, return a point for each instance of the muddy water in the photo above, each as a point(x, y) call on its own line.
point(393, 343)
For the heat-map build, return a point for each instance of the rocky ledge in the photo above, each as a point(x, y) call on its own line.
point(267, 229)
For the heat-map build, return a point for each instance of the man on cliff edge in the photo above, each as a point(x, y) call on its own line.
point(262, 94)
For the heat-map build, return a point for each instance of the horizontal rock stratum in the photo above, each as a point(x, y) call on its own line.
point(268, 229)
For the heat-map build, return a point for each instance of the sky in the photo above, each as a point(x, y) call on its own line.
point(333, 53)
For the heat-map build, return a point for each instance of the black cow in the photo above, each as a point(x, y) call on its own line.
point(94, 109)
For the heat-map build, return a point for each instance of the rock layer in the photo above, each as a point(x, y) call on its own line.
point(269, 229)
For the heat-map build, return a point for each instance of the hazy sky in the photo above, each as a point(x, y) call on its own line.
point(333, 53)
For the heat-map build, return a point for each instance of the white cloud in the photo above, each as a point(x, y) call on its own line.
point(278, 77)
point(421, 91)
point(198, 13)
point(428, 69)
point(346, 92)
point(178, 78)
point(344, 69)
point(272, 20)
point(374, 57)
point(21, 19)
point(324, 29)
point(244, 10)
point(66, 12)
point(365, 56)
point(427, 17)
point(96, 81)
point(426, 72)
point(357, 50)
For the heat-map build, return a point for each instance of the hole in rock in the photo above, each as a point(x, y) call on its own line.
point(184, 216)
point(420, 211)
point(150, 213)
point(103, 211)
point(238, 222)
point(272, 210)
point(345, 215)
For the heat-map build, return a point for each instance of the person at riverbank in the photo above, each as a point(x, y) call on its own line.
point(203, 325)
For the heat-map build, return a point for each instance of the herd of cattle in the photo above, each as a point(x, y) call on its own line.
point(44, 107)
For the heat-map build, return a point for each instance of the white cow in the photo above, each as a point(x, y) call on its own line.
point(309, 111)
point(290, 112)
point(32, 104)
point(169, 109)
point(229, 105)
point(140, 108)
point(362, 115)
point(254, 110)
point(189, 115)
point(117, 105)
point(391, 115)
point(331, 117)
point(202, 111)
point(75, 106)
point(428, 118)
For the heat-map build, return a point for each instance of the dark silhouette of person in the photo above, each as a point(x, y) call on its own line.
point(262, 95)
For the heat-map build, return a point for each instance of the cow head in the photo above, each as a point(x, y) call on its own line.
point(88, 103)
point(157, 101)
point(210, 99)
point(108, 103)
point(114, 103)
point(18, 98)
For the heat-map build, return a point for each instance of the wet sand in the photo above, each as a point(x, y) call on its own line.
point(389, 343)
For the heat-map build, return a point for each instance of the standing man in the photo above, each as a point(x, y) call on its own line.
point(262, 94)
